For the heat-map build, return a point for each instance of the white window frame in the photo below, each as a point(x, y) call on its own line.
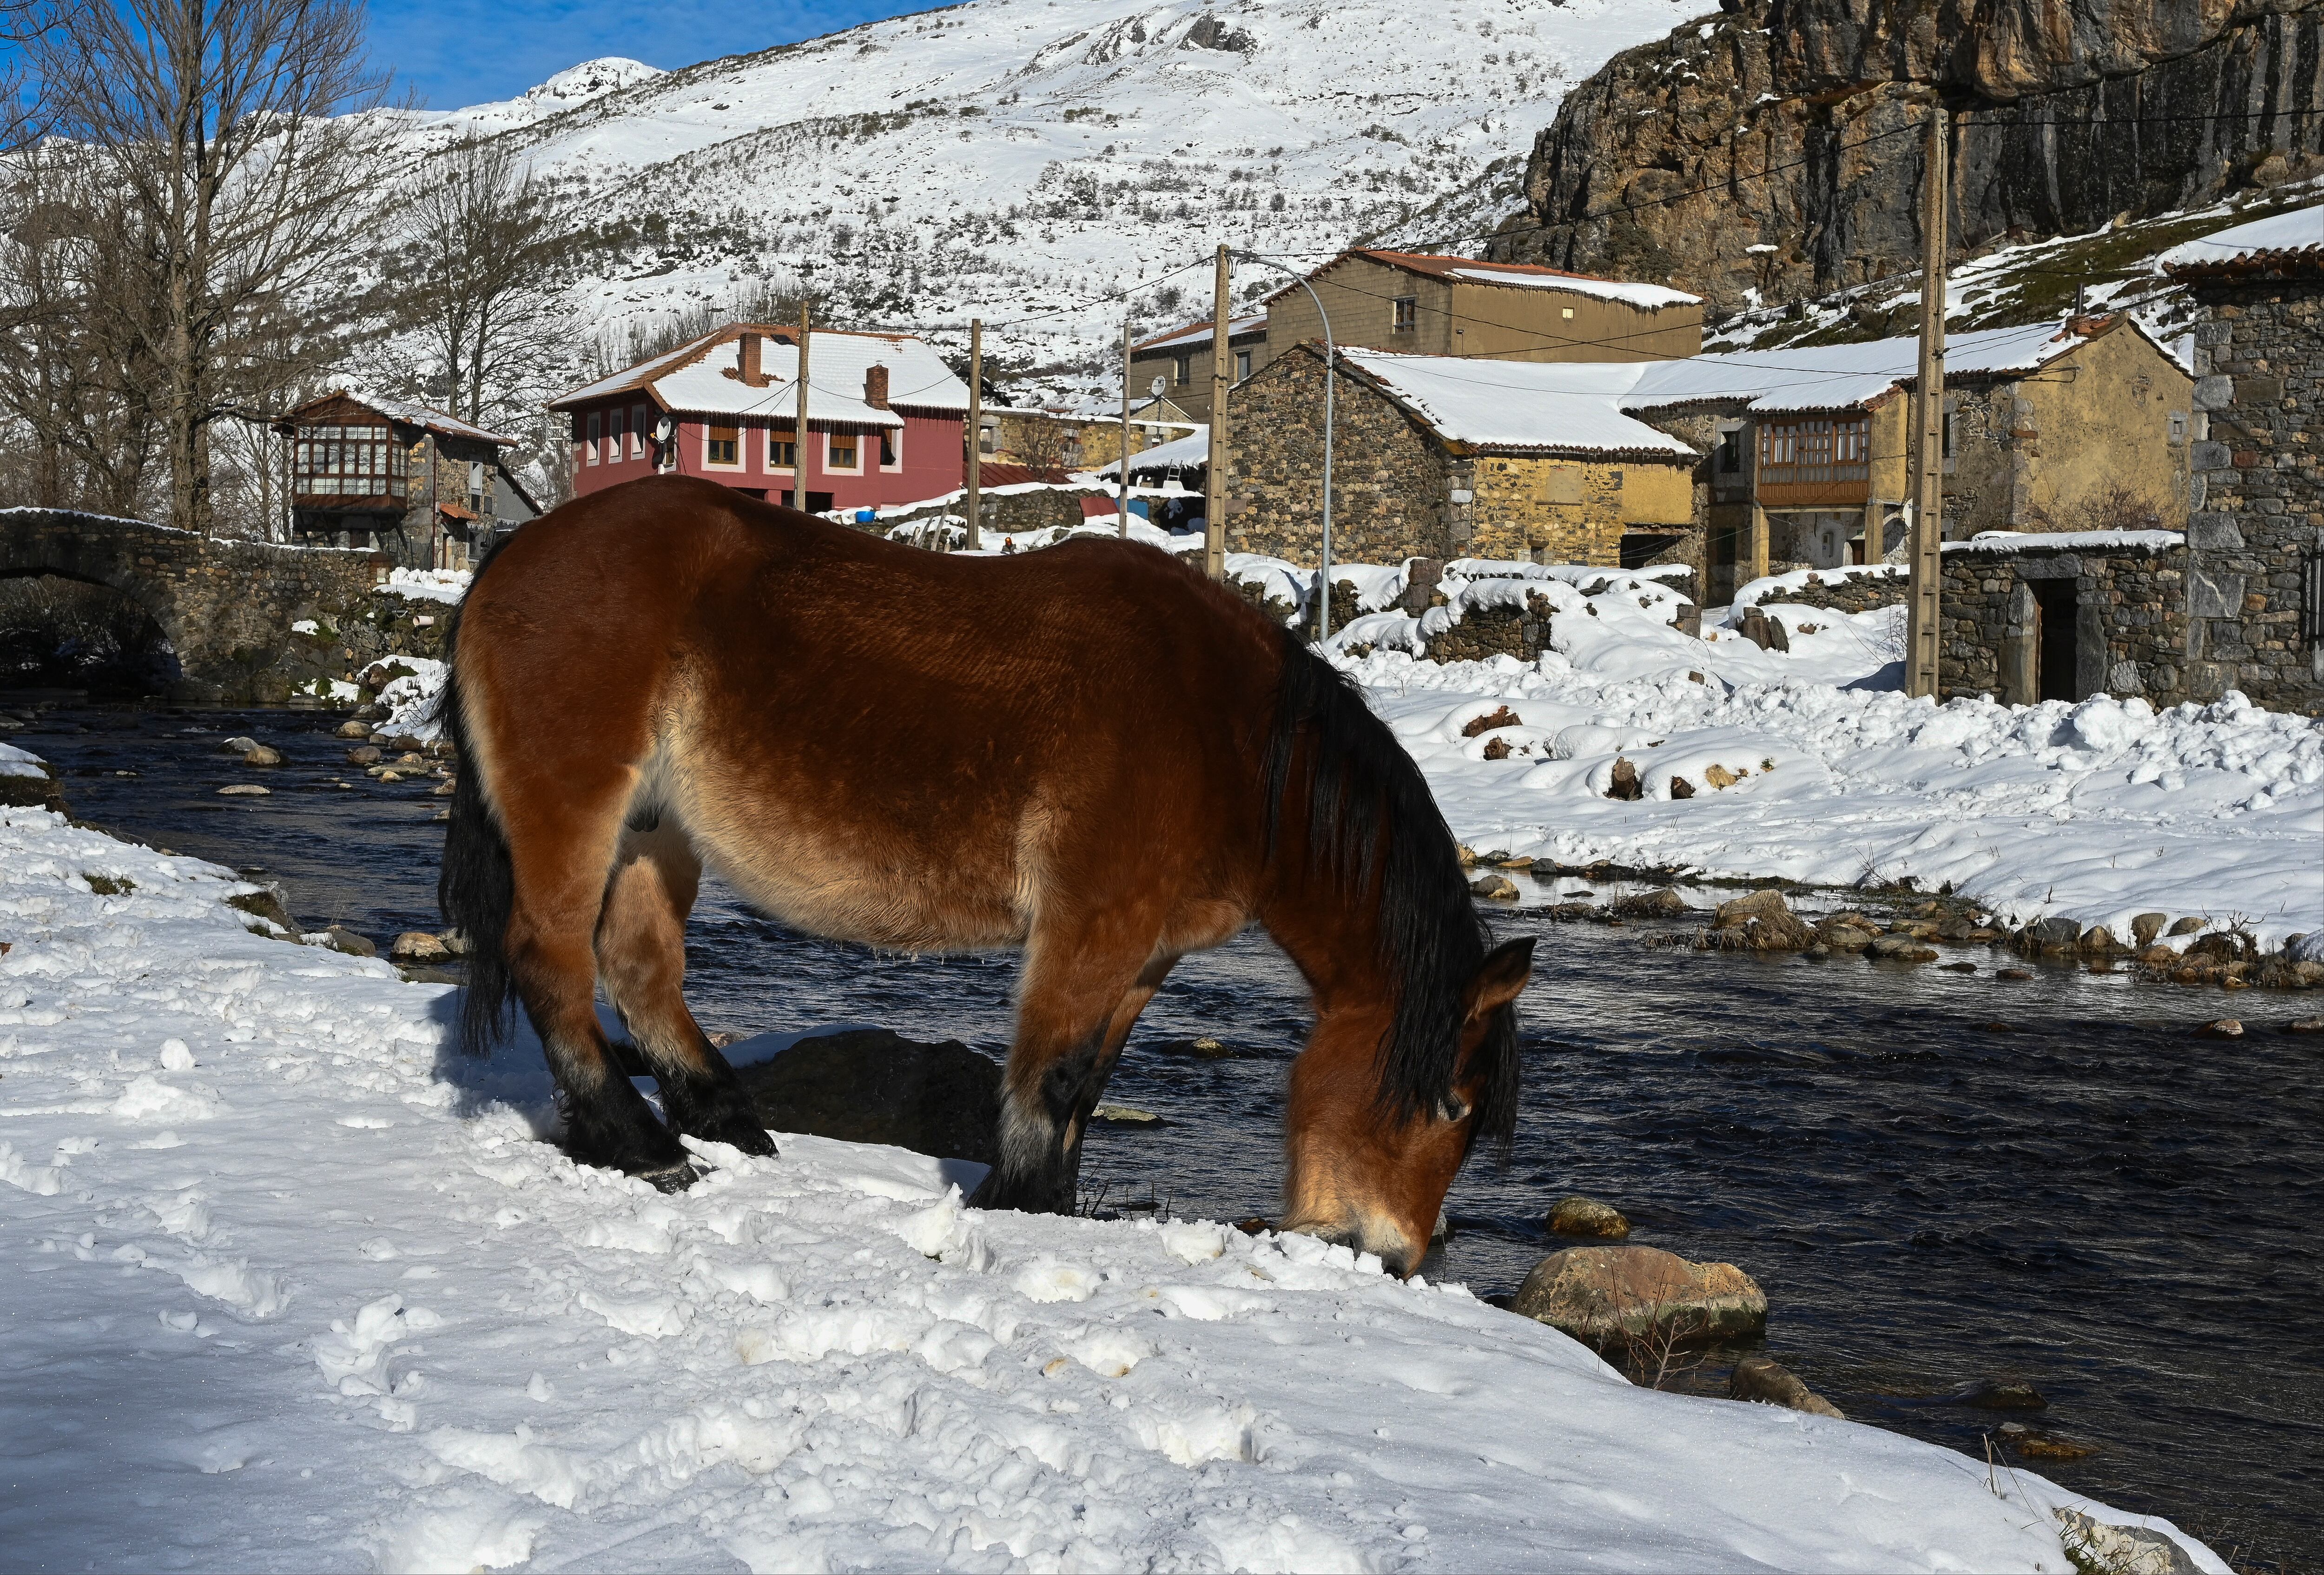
point(775, 467)
point(1242, 364)
point(597, 435)
point(831, 469)
point(739, 462)
point(638, 425)
point(893, 438)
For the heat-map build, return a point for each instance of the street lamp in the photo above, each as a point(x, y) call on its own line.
point(1330, 371)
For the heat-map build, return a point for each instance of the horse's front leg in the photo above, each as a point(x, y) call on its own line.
point(1069, 1035)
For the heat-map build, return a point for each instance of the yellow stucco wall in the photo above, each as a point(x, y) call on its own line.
point(1572, 511)
point(2106, 426)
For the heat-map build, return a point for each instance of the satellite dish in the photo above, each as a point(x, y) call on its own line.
point(1156, 387)
point(664, 429)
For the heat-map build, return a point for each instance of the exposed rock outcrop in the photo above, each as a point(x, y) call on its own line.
point(1765, 154)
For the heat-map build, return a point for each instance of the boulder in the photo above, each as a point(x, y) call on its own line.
point(2121, 1550)
point(2305, 1025)
point(363, 754)
point(2055, 933)
point(1663, 903)
point(352, 730)
point(244, 790)
point(1985, 1394)
point(1500, 888)
point(2225, 1028)
point(874, 1086)
point(339, 939)
point(417, 946)
point(2188, 925)
point(1124, 1116)
point(1900, 949)
point(261, 755)
point(1588, 1216)
point(1624, 784)
point(265, 903)
point(1762, 921)
point(2145, 927)
point(1762, 1379)
point(1843, 935)
point(237, 746)
point(1621, 1295)
point(1204, 1049)
point(2098, 940)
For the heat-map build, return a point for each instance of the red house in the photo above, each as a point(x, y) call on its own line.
point(884, 417)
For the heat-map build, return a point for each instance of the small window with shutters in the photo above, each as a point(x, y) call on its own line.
point(722, 446)
point(1407, 314)
point(841, 453)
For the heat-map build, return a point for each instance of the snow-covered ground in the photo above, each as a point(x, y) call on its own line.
point(291, 1286)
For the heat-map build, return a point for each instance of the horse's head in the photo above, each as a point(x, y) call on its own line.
point(1378, 1125)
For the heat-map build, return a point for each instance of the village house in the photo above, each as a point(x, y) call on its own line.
point(1063, 437)
point(1439, 456)
point(426, 488)
point(885, 418)
point(1419, 305)
point(2256, 535)
point(1176, 367)
point(2076, 426)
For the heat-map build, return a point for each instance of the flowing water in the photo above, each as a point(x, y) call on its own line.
point(1938, 1177)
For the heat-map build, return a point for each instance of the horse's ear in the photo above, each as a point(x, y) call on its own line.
point(1500, 978)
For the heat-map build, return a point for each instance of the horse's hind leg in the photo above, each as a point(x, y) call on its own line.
point(1073, 1014)
point(642, 963)
point(560, 845)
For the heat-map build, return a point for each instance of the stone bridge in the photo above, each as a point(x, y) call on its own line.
point(227, 606)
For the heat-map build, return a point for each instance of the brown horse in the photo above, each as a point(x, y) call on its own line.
point(1100, 757)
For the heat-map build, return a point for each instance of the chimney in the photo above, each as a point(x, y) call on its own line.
point(875, 388)
point(751, 376)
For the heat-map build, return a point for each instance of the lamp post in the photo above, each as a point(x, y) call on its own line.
point(1330, 372)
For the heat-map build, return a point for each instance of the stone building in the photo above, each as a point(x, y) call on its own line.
point(425, 487)
point(2083, 425)
point(1441, 458)
point(1063, 437)
point(1418, 305)
point(1180, 361)
point(2254, 591)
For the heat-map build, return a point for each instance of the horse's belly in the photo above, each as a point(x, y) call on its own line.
point(849, 900)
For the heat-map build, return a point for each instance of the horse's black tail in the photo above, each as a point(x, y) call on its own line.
point(1374, 827)
point(477, 885)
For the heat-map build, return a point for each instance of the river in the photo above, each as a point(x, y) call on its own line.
point(1938, 1177)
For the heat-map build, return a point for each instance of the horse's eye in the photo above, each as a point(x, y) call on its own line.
point(1453, 1108)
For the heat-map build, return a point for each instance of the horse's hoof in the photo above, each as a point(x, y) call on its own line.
point(674, 1178)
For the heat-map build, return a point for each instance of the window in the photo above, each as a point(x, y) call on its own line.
point(1070, 446)
point(1183, 367)
point(596, 425)
point(476, 484)
point(345, 461)
point(1948, 435)
point(1243, 365)
point(614, 424)
point(782, 447)
point(2178, 426)
point(1730, 451)
point(1816, 452)
point(892, 448)
point(1566, 312)
point(720, 448)
point(987, 429)
point(638, 430)
point(841, 454)
point(1408, 314)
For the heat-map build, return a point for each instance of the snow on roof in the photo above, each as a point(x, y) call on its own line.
point(405, 410)
point(2299, 231)
point(703, 378)
point(1651, 297)
point(1192, 449)
point(1842, 376)
point(1200, 334)
point(1516, 404)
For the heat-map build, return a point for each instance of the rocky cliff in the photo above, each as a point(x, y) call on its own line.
point(1769, 153)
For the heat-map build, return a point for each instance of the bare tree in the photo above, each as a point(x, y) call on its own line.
point(482, 249)
point(221, 125)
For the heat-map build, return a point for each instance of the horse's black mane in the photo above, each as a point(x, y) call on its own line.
point(1371, 817)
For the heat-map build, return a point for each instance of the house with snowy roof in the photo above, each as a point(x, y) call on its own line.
point(1442, 457)
point(422, 485)
point(2079, 425)
point(1174, 367)
point(885, 418)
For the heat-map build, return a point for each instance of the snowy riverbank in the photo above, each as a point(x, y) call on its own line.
point(291, 1287)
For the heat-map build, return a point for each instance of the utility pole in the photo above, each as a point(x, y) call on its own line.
point(1215, 502)
point(798, 423)
point(1924, 632)
point(1122, 503)
point(975, 539)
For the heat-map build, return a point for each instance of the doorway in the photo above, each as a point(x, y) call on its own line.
point(2055, 606)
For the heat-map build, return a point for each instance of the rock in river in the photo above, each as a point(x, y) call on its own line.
point(1762, 921)
point(419, 946)
point(1619, 1295)
point(1588, 1216)
point(1761, 1378)
point(874, 1086)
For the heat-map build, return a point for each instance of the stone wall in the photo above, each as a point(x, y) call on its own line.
point(1014, 511)
point(2257, 523)
point(2129, 612)
point(1393, 485)
point(1551, 511)
point(1857, 593)
point(225, 605)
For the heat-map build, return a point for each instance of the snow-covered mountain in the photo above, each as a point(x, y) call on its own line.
point(1013, 160)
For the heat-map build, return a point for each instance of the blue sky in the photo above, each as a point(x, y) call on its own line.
point(454, 52)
